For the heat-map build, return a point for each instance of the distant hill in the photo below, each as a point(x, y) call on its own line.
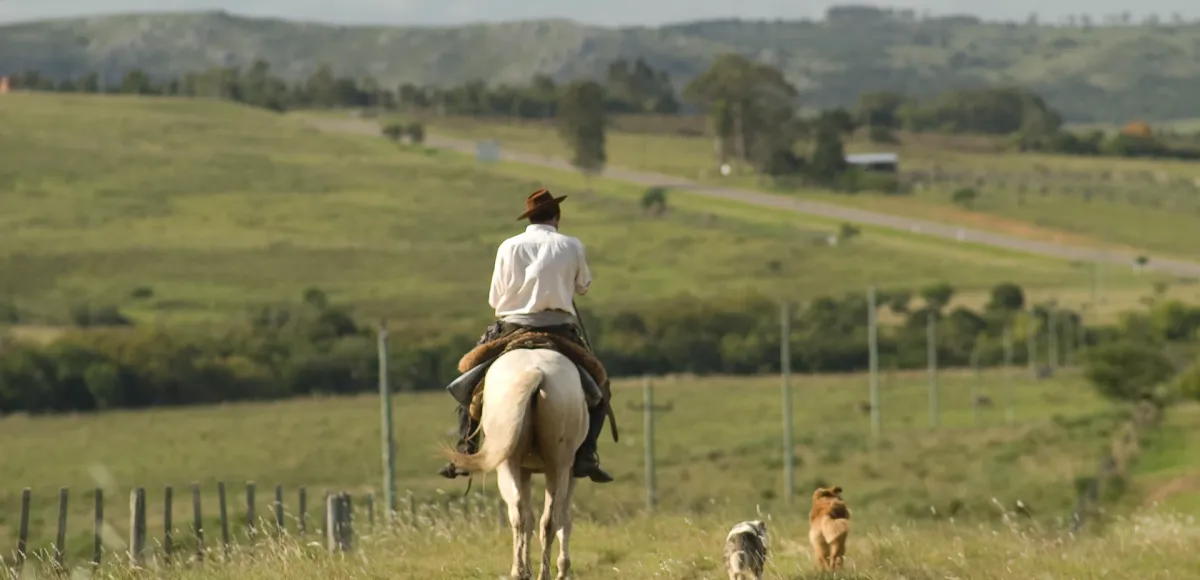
point(1105, 73)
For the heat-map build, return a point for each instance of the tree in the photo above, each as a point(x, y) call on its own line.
point(839, 120)
point(1006, 297)
point(829, 155)
point(656, 198)
point(136, 82)
point(879, 109)
point(938, 295)
point(752, 106)
point(638, 87)
point(581, 124)
point(965, 197)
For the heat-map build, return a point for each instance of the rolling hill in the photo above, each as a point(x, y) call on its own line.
point(1092, 73)
point(194, 210)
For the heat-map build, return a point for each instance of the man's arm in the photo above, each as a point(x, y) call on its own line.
point(499, 277)
point(583, 274)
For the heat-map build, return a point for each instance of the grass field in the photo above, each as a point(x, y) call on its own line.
point(213, 208)
point(1152, 547)
point(1146, 205)
point(718, 450)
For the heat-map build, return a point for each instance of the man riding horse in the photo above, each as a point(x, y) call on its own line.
point(534, 280)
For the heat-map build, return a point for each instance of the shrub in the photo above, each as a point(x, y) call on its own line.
point(415, 132)
point(393, 131)
point(1127, 370)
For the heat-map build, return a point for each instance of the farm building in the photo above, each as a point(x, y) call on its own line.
point(886, 162)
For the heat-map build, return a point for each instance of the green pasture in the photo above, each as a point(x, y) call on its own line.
point(193, 211)
point(1147, 205)
point(719, 451)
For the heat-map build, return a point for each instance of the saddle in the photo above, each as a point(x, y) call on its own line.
point(467, 389)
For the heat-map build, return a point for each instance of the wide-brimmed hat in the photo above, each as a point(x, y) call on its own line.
point(540, 199)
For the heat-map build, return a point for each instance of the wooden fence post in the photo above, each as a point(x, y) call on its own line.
point(224, 515)
point(303, 511)
point(168, 503)
point(23, 531)
point(60, 538)
point(197, 521)
point(137, 526)
point(279, 509)
point(331, 519)
point(251, 528)
point(347, 521)
point(98, 528)
point(325, 513)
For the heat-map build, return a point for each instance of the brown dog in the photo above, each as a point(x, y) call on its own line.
point(829, 526)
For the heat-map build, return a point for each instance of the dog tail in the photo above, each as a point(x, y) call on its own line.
point(737, 564)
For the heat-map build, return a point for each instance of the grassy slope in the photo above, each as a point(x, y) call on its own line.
point(718, 451)
point(1153, 206)
point(217, 207)
point(1168, 474)
point(1093, 75)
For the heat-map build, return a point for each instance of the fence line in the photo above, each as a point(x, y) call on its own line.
point(337, 524)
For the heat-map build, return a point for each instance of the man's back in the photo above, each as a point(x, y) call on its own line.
point(538, 270)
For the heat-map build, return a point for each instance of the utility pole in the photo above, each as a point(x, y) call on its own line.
point(385, 406)
point(648, 408)
point(873, 346)
point(976, 378)
point(1052, 338)
point(1010, 413)
point(785, 366)
point(931, 348)
point(1031, 343)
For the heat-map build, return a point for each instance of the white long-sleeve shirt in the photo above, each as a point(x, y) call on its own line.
point(538, 270)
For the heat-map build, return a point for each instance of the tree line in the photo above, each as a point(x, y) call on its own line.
point(313, 346)
point(630, 87)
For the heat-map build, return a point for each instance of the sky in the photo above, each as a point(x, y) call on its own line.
point(608, 12)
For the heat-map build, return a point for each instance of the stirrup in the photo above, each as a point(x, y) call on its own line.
point(451, 471)
point(589, 467)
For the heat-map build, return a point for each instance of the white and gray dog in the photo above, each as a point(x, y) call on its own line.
point(746, 550)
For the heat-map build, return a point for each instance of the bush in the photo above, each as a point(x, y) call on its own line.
point(655, 198)
point(415, 132)
point(317, 346)
point(965, 197)
point(9, 313)
point(854, 180)
point(393, 131)
point(1127, 370)
point(84, 315)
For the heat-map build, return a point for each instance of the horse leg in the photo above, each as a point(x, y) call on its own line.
point(563, 519)
point(514, 488)
point(554, 517)
point(546, 529)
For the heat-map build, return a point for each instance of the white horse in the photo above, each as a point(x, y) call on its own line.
point(518, 443)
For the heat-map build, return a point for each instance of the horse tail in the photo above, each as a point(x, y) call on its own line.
point(504, 424)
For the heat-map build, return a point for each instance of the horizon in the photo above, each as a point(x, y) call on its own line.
point(453, 13)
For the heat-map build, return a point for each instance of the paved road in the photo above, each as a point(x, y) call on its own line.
point(1181, 268)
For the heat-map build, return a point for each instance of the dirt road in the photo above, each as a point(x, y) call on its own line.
point(1180, 268)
